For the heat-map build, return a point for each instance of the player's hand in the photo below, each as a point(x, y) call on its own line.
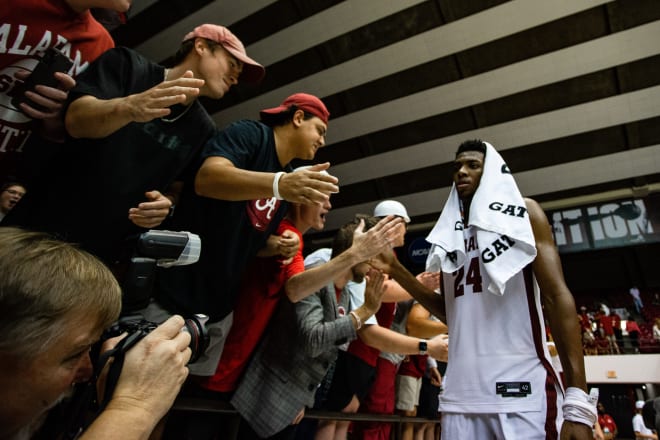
point(575, 431)
point(431, 280)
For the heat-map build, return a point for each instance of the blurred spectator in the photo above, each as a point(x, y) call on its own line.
point(633, 332)
point(30, 27)
point(605, 323)
point(640, 429)
point(637, 299)
point(585, 320)
point(656, 329)
point(616, 328)
point(55, 300)
point(10, 194)
point(606, 423)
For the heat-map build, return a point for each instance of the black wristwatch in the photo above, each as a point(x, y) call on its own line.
point(423, 347)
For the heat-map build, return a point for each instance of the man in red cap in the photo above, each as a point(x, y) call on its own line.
point(239, 196)
point(136, 126)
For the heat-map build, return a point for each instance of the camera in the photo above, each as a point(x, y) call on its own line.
point(155, 248)
point(137, 328)
point(50, 62)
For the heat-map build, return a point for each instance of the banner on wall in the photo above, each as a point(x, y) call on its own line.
point(604, 225)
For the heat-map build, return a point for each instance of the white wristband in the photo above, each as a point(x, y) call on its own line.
point(276, 185)
point(358, 321)
point(579, 407)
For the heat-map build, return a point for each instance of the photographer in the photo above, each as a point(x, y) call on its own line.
point(55, 301)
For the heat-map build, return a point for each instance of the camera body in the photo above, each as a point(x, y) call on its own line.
point(43, 74)
point(137, 328)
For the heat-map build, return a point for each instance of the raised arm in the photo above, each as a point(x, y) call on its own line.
point(90, 117)
point(433, 302)
point(421, 325)
point(390, 341)
point(365, 245)
point(320, 333)
point(218, 178)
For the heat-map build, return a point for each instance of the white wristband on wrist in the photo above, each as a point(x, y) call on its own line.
point(579, 407)
point(276, 185)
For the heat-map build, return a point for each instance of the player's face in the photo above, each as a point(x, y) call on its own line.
point(468, 168)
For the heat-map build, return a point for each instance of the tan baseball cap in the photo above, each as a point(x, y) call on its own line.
point(252, 71)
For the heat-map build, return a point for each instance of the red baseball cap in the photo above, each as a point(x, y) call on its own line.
point(308, 103)
point(252, 71)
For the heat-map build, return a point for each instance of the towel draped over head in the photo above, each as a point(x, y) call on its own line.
point(503, 230)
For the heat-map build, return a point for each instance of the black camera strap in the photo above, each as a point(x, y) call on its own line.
point(117, 353)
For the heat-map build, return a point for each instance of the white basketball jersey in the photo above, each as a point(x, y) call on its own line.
point(498, 358)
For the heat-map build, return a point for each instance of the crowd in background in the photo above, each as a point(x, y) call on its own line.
point(629, 325)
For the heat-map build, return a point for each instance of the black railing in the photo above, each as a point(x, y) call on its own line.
point(190, 404)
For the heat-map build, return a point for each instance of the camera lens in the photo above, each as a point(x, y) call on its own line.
point(199, 336)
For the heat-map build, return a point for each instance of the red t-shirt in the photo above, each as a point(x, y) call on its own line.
point(32, 27)
point(261, 290)
point(606, 324)
point(606, 421)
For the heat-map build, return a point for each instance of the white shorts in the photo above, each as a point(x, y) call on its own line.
point(218, 331)
point(407, 392)
point(506, 426)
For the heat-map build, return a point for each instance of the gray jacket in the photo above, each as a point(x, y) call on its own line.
point(292, 359)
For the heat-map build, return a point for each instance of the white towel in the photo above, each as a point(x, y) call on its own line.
point(498, 212)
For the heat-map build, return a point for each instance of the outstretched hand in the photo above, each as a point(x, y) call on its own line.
point(309, 186)
point(156, 101)
point(376, 240)
point(431, 280)
point(373, 293)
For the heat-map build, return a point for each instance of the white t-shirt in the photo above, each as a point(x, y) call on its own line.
point(639, 426)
